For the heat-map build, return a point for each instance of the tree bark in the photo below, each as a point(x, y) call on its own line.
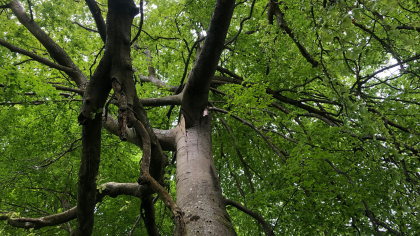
point(89, 166)
point(199, 193)
point(114, 66)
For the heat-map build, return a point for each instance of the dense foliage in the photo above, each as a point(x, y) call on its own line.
point(315, 105)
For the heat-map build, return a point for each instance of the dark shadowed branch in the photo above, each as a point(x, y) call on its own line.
point(111, 189)
point(56, 52)
point(97, 16)
point(197, 87)
point(84, 27)
point(36, 57)
point(242, 24)
point(282, 24)
point(266, 226)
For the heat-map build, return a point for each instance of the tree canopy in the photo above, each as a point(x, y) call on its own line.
point(314, 109)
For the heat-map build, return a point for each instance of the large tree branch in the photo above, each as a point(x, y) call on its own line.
point(166, 138)
point(157, 82)
point(111, 125)
point(56, 52)
point(37, 223)
point(163, 101)
point(266, 226)
point(36, 57)
point(114, 67)
point(197, 88)
point(89, 167)
point(111, 189)
point(97, 16)
point(217, 80)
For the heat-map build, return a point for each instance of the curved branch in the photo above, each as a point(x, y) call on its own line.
point(97, 16)
point(266, 226)
point(111, 189)
point(242, 24)
point(84, 27)
point(145, 177)
point(56, 52)
point(141, 23)
point(37, 58)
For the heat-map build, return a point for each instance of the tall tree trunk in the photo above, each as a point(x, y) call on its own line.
point(198, 189)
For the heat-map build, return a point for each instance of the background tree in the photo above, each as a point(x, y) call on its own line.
point(282, 118)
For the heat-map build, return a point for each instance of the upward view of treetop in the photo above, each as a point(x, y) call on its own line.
point(209, 117)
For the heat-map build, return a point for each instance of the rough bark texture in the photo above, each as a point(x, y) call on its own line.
point(115, 65)
point(199, 193)
point(116, 62)
point(89, 166)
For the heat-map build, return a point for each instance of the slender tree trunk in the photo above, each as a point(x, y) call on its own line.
point(89, 166)
point(198, 189)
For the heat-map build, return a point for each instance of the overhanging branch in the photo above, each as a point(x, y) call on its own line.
point(111, 189)
point(40, 59)
point(266, 226)
point(56, 52)
point(97, 16)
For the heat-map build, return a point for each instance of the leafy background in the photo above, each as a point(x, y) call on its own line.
point(332, 172)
